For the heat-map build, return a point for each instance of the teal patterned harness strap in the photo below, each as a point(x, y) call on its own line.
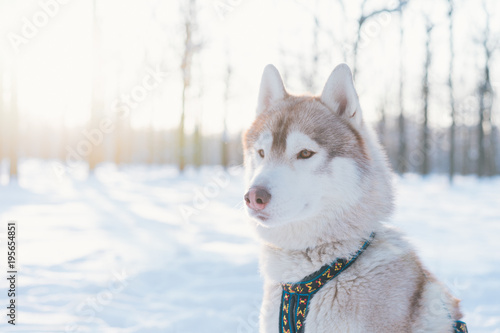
point(460, 327)
point(296, 297)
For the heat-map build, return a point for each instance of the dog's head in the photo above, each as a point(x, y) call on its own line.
point(311, 164)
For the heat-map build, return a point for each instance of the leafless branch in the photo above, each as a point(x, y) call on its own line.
point(398, 8)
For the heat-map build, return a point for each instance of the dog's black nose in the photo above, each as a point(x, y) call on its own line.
point(257, 198)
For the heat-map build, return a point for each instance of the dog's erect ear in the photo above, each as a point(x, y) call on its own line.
point(340, 96)
point(271, 88)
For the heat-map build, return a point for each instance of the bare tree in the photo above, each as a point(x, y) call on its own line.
point(227, 97)
point(402, 158)
point(198, 133)
point(366, 17)
point(190, 48)
point(118, 153)
point(310, 73)
point(13, 121)
point(452, 96)
point(309, 76)
point(486, 162)
point(151, 137)
point(425, 167)
point(123, 139)
point(151, 131)
point(97, 100)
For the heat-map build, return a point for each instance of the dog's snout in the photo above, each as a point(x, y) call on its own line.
point(257, 198)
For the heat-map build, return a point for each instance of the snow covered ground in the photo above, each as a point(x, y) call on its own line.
point(142, 249)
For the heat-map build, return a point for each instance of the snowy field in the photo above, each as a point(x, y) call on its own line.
point(142, 249)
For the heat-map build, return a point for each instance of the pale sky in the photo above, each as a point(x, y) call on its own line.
point(54, 65)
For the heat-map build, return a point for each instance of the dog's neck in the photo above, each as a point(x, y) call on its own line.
point(287, 265)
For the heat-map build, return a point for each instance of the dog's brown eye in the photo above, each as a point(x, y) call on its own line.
point(305, 154)
point(261, 153)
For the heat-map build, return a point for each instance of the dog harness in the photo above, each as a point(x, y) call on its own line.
point(296, 297)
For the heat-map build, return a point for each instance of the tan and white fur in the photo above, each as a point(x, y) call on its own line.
point(318, 185)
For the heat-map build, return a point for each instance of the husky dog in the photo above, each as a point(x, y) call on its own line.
point(318, 186)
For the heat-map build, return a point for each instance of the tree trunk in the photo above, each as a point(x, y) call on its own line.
point(361, 20)
point(182, 144)
point(481, 160)
point(402, 158)
point(451, 157)
point(198, 146)
point(13, 130)
point(97, 101)
point(225, 134)
point(425, 169)
point(187, 58)
point(494, 147)
point(485, 104)
point(151, 135)
point(118, 154)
